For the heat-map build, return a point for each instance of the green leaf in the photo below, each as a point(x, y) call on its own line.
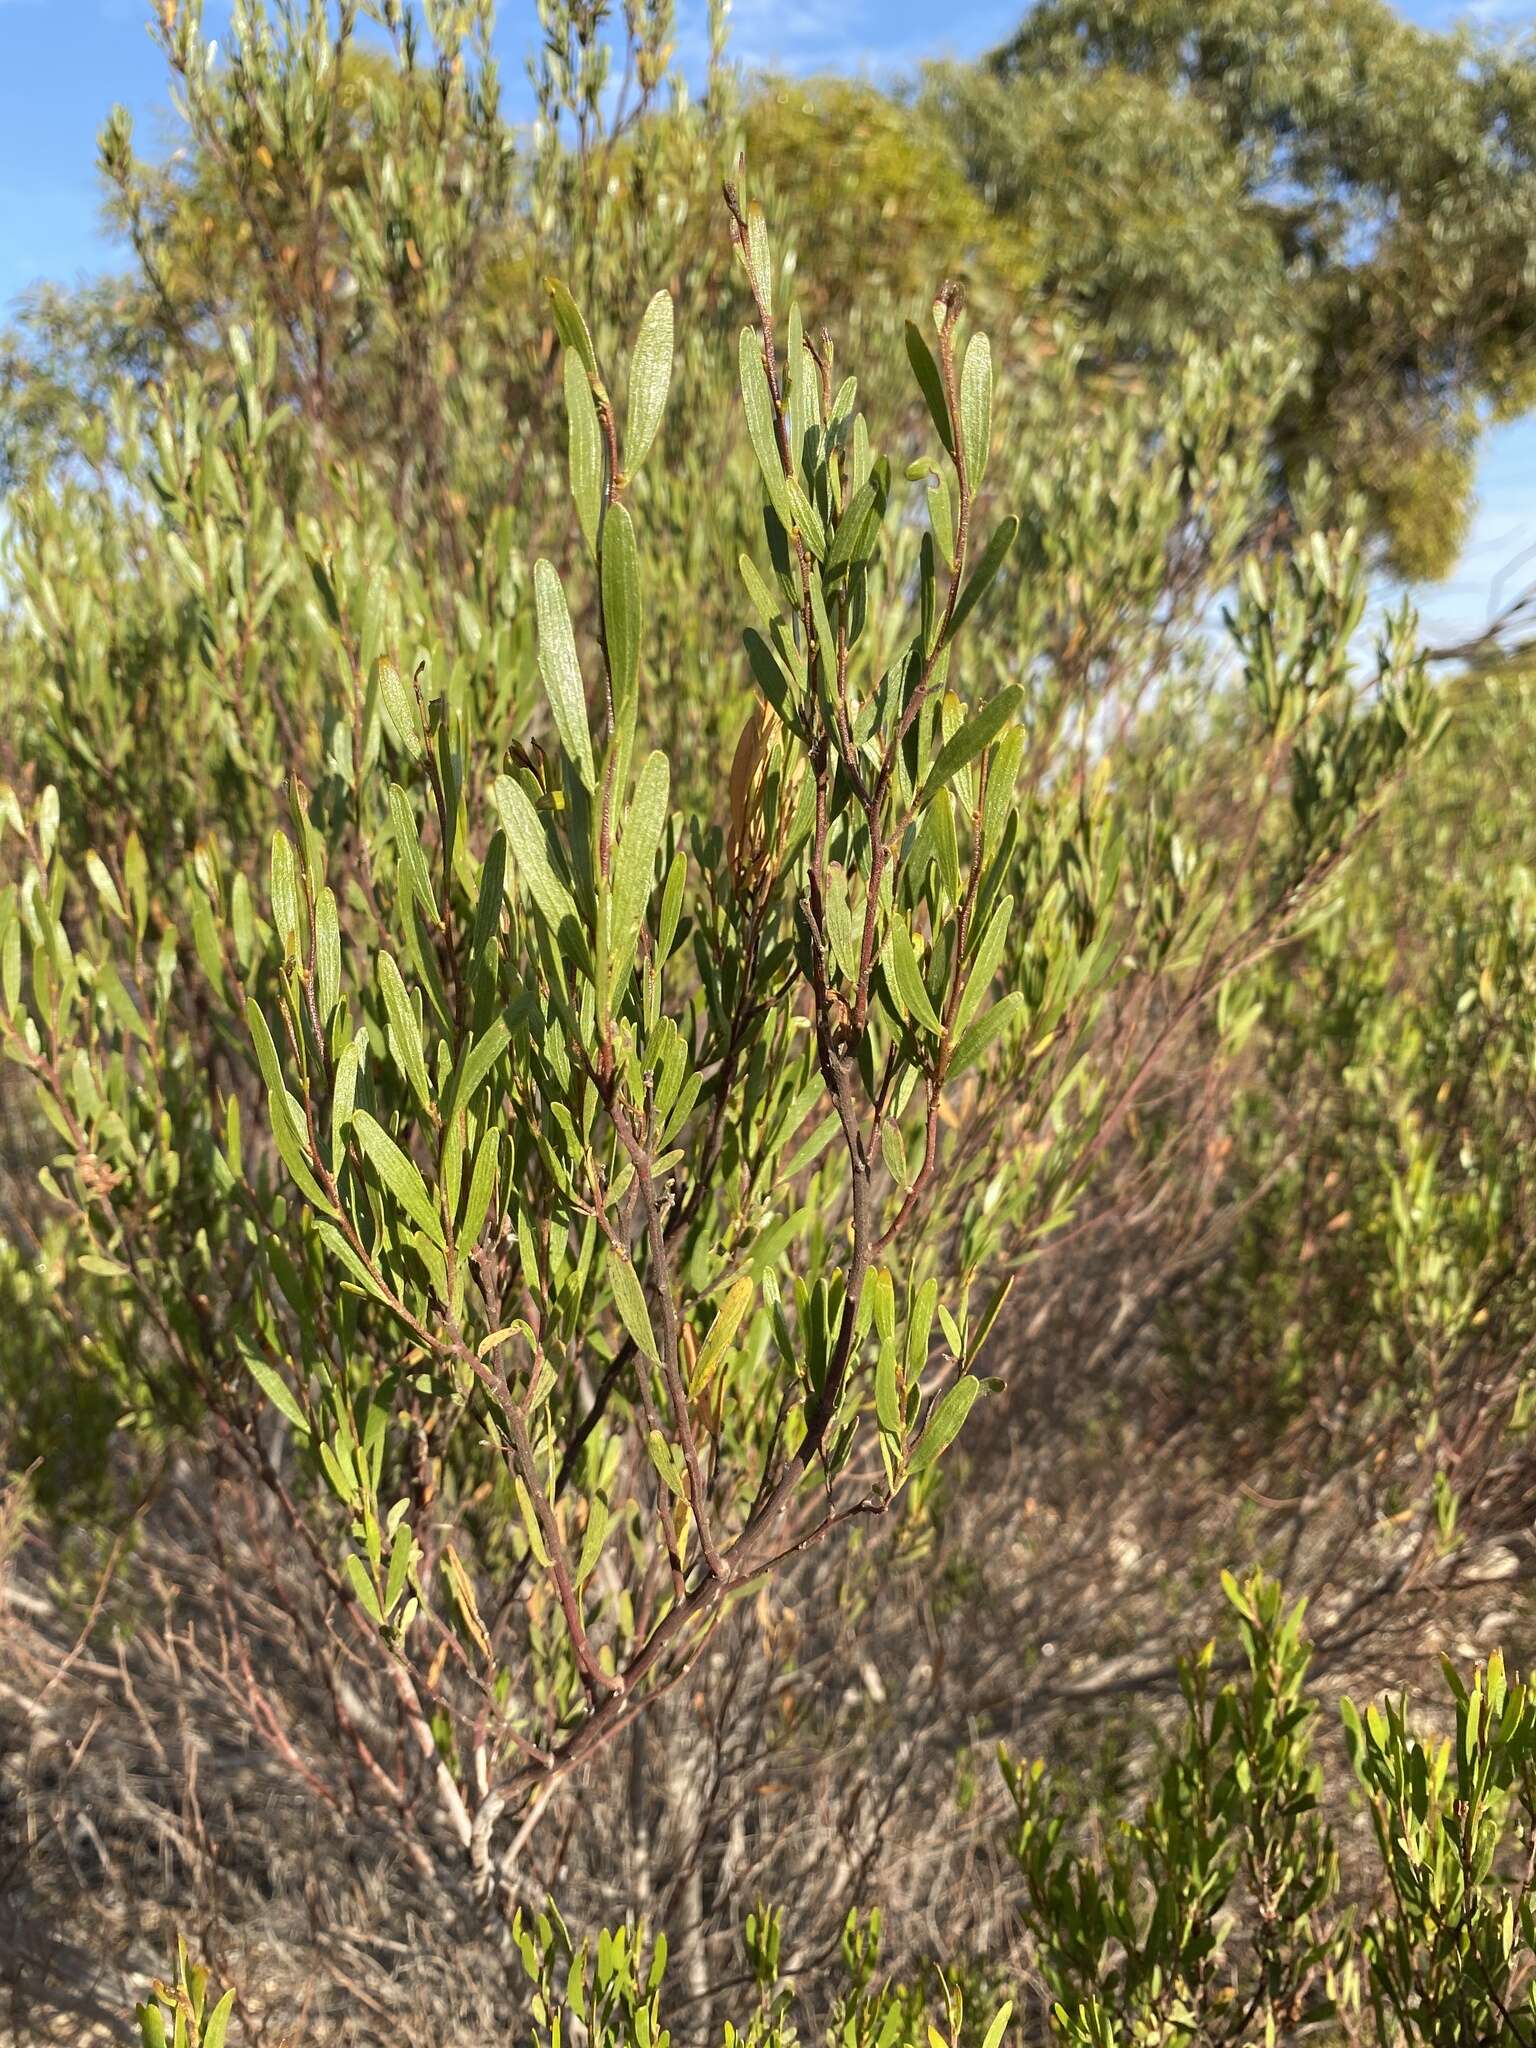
point(408, 845)
point(920, 1328)
point(634, 868)
point(981, 576)
point(727, 1322)
point(327, 954)
point(894, 1152)
point(945, 1423)
point(362, 1586)
point(278, 1392)
point(629, 1300)
point(1001, 2017)
point(104, 885)
point(887, 1393)
point(592, 1539)
point(482, 1185)
point(530, 854)
point(561, 671)
point(570, 326)
point(398, 1173)
point(218, 2022)
point(764, 603)
point(666, 1460)
point(585, 448)
point(622, 612)
point(987, 1320)
point(805, 518)
point(907, 976)
point(650, 374)
point(671, 904)
point(344, 1090)
point(985, 961)
point(883, 1303)
point(483, 1055)
point(284, 888)
point(536, 1541)
point(859, 526)
point(976, 408)
point(970, 1046)
point(404, 1031)
point(930, 383)
point(288, 1130)
point(941, 517)
point(761, 431)
point(978, 732)
point(400, 709)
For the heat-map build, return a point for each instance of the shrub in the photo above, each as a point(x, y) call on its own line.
point(564, 1215)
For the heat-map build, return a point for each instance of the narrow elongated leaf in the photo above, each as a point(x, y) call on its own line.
point(592, 1539)
point(585, 447)
point(278, 1392)
point(908, 978)
point(887, 1393)
point(400, 709)
point(894, 1154)
point(989, 1315)
point(482, 1185)
point(978, 732)
point(342, 1252)
point(764, 603)
point(562, 671)
point(217, 2026)
point(492, 887)
point(284, 887)
point(859, 525)
point(622, 614)
point(413, 861)
point(990, 1025)
point(930, 383)
point(941, 517)
point(404, 1031)
point(996, 2030)
point(634, 869)
point(287, 1119)
point(945, 1423)
point(536, 1541)
point(530, 855)
point(976, 407)
point(399, 1567)
point(666, 1460)
point(650, 375)
point(464, 1599)
point(629, 1300)
point(398, 1173)
point(327, 955)
point(920, 1327)
point(483, 1055)
point(362, 1586)
point(993, 557)
point(571, 327)
point(761, 261)
point(758, 401)
point(984, 962)
point(727, 1322)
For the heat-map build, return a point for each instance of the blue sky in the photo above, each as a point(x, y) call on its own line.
point(64, 62)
